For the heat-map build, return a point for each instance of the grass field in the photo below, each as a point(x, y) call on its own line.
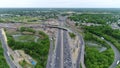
point(25, 38)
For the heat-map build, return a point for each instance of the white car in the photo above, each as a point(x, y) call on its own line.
point(102, 38)
point(51, 39)
point(118, 62)
point(8, 53)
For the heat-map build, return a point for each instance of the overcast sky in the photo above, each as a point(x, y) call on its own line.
point(60, 3)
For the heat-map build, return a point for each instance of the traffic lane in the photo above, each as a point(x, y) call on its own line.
point(58, 51)
point(117, 54)
point(49, 62)
point(80, 52)
point(81, 40)
point(9, 60)
point(79, 58)
point(67, 55)
point(4, 44)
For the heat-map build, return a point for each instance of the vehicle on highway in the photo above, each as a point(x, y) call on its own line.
point(8, 53)
point(118, 62)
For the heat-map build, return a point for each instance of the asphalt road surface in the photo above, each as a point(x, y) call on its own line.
point(67, 54)
point(49, 61)
point(80, 54)
point(58, 51)
point(80, 58)
point(4, 45)
point(117, 55)
point(62, 50)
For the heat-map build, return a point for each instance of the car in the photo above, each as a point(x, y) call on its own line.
point(8, 53)
point(118, 62)
point(51, 39)
point(102, 38)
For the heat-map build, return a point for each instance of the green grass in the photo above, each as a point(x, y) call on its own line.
point(3, 63)
point(27, 29)
point(72, 35)
point(11, 57)
point(21, 19)
point(25, 38)
point(118, 66)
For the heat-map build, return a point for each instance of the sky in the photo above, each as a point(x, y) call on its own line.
point(59, 3)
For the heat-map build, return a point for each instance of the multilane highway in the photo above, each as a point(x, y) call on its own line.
point(58, 57)
point(67, 53)
point(63, 55)
point(80, 57)
point(49, 61)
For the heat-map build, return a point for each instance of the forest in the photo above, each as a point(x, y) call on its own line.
point(37, 50)
point(112, 35)
point(94, 18)
point(93, 57)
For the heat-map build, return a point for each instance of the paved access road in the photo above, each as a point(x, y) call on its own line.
point(4, 45)
point(80, 58)
point(49, 61)
point(117, 54)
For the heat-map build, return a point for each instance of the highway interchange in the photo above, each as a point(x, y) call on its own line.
point(60, 57)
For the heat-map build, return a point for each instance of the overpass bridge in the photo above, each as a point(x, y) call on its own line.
point(59, 27)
